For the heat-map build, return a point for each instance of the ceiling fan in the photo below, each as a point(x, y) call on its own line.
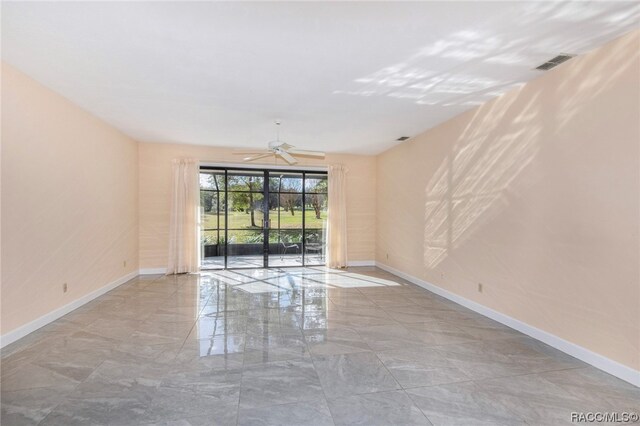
point(281, 149)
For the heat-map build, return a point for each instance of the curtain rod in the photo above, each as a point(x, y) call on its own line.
point(263, 166)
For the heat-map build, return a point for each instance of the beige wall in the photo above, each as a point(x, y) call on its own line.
point(155, 197)
point(534, 195)
point(70, 197)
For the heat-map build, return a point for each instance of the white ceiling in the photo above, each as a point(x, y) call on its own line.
point(343, 77)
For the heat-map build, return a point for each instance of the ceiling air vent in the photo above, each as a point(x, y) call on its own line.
point(402, 138)
point(554, 62)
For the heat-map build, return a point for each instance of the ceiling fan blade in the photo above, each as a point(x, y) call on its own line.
point(261, 151)
point(288, 158)
point(256, 157)
point(306, 152)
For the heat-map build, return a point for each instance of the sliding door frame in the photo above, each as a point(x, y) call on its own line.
point(266, 227)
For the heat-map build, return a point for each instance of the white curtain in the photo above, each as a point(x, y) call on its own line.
point(185, 208)
point(337, 220)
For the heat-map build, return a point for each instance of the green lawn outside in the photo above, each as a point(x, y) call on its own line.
point(287, 220)
point(290, 226)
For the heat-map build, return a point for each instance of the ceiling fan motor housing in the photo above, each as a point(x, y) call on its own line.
point(277, 144)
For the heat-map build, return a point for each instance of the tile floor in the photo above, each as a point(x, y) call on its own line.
point(305, 346)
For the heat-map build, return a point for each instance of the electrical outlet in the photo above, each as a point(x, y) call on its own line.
point(64, 287)
point(124, 264)
point(479, 287)
point(387, 256)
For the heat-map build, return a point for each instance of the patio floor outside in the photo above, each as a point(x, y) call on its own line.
point(256, 261)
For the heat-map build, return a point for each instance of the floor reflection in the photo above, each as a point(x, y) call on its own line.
point(271, 305)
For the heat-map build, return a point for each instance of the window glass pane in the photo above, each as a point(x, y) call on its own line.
point(245, 249)
point(316, 211)
point(245, 210)
point(314, 246)
point(287, 236)
point(315, 183)
point(315, 228)
point(274, 203)
point(285, 248)
point(285, 182)
point(291, 183)
point(274, 182)
point(245, 181)
point(212, 237)
point(250, 237)
point(220, 181)
point(285, 211)
point(212, 249)
point(212, 209)
point(207, 181)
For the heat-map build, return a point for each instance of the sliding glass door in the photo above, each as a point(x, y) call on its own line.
point(262, 218)
point(213, 206)
point(315, 223)
point(286, 219)
point(245, 219)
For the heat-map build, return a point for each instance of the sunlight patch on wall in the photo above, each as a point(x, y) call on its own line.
point(476, 173)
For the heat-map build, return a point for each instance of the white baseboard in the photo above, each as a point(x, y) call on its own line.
point(152, 271)
point(361, 263)
point(603, 363)
point(32, 326)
